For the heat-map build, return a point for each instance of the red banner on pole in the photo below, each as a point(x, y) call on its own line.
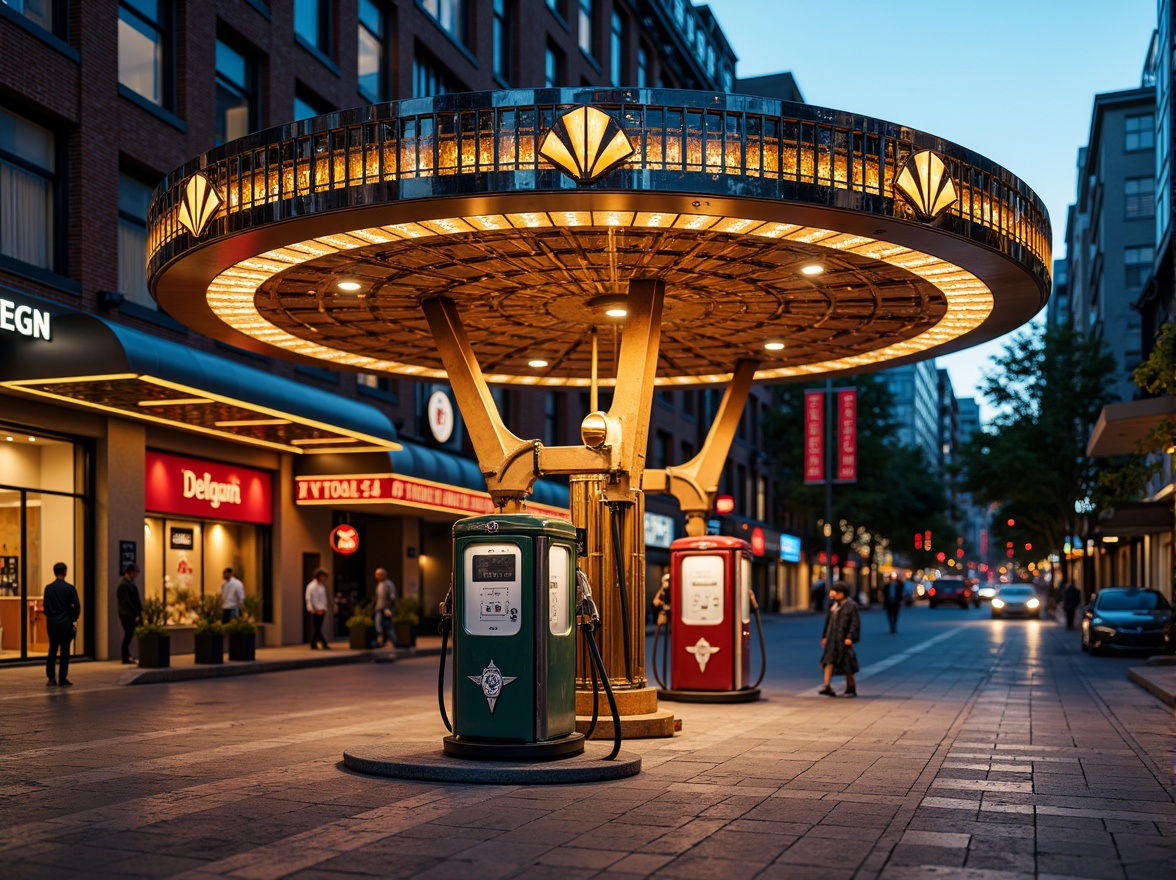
point(814, 436)
point(847, 435)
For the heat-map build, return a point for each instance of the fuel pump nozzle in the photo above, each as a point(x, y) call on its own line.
point(585, 604)
point(446, 610)
point(586, 608)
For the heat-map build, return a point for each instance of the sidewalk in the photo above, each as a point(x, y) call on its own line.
point(25, 680)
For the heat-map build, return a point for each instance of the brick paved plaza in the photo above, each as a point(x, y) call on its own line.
point(978, 750)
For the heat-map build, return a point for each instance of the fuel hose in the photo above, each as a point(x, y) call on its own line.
point(759, 627)
point(598, 664)
point(446, 618)
point(614, 508)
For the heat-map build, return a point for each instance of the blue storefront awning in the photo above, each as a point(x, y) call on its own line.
point(94, 362)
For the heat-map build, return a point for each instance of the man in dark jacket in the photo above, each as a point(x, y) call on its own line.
point(130, 608)
point(843, 627)
point(62, 608)
point(892, 595)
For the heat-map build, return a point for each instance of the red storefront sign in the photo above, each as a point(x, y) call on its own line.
point(205, 489)
point(847, 435)
point(409, 491)
point(344, 539)
point(814, 436)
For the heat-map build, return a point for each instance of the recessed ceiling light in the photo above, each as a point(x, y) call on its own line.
point(617, 312)
point(32, 439)
point(350, 285)
point(812, 269)
point(175, 401)
point(537, 363)
point(774, 346)
point(9, 439)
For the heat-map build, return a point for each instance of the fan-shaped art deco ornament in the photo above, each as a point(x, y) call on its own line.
point(585, 143)
point(200, 203)
point(926, 185)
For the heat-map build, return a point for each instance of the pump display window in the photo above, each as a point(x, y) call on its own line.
point(43, 520)
point(184, 560)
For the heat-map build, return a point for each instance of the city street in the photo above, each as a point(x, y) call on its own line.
point(977, 749)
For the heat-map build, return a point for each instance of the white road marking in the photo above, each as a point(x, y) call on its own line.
point(893, 660)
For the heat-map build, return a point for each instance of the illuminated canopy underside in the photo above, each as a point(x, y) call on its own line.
point(523, 254)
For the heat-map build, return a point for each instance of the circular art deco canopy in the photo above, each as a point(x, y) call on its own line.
point(810, 240)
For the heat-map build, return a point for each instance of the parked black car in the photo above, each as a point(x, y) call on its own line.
point(950, 589)
point(1127, 618)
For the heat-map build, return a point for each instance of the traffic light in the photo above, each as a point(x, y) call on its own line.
point(1028, 546)
point(940, 556)
point(918, 540)
point(1012, 522)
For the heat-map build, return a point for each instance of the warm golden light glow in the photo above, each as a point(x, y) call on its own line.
point(200, 203)
point(175, 401)
point(230, 295)
point(350, 285)
point(537, 363)
point(585, 143)
point(774, 346)
point(925, 183)
point(812, 269)
point(246, 423)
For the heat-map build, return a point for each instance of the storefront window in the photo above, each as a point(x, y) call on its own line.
point(203, 517)
point(184, 559)
point(42, 522)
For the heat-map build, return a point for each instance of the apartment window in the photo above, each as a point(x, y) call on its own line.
point(312, 24)
point(642, 68)
point(553, 74)
point(617, 46)
point(451, 15)
point(236, 94)
point(1137, 262)
point(663, 443)
point(429, 78)
point(43, 13)
point(373, 51)
point(374, 382)
point(143, 45)
point(307, 106)
point(1139, 197)
point(28, 189)
point(1141, 133)
point(587, 18)
point(502, 41)
point(134, 197)
point(552, 416)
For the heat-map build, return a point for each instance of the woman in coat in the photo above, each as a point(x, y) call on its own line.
point(843, 627)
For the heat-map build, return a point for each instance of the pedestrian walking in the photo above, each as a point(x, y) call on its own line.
point(1071, 599)
point(130, 609)
point(843, 627)
point(62, 609)
point(232, 596)
point(385, 605)
point(892, 594)
point(316, 604)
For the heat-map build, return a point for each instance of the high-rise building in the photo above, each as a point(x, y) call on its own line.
point(1110, 241)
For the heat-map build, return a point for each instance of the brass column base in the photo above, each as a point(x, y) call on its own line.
point(640, 716)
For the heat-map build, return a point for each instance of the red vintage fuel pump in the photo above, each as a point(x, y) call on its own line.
point(710, 606)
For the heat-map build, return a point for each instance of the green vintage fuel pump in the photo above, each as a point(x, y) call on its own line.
point(514, 644)
point(512, 608)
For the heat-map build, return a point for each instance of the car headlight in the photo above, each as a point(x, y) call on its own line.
point(1107, 630)
point(1033, 603)
point(997, 603)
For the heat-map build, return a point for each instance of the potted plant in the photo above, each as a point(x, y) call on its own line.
point(154, 640)
point(209, 636)
point(361, 626)
point(242, 630)
point(406, 614)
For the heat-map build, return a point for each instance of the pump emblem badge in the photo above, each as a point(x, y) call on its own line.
point(492, 681)
point(702, 650)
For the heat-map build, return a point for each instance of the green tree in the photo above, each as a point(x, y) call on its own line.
point(1048, 390)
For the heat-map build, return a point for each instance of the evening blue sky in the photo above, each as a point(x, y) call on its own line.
point(1013, 80)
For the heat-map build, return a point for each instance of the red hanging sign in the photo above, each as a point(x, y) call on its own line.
point(814, 436)
point(847, 435)
point(197, 487)
point(344, 539)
